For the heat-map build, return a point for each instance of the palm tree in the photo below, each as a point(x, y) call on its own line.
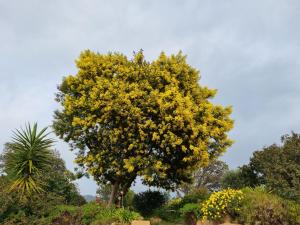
point(26, 158)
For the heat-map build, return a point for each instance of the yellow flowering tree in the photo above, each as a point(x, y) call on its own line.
point(131, 117)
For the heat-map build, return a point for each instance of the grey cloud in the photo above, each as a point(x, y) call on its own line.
point(248, 50)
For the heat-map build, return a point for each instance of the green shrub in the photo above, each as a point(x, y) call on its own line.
point(66, 218)
point(90, 211)
point(174, 209)
point(62, 214)
point(122, 216)
point(146, 202)
point(128, 199)
point(293, 211)
point(191, 213)
point(260, 207)
point(167, 214)
point(126, 216)
point(196, 196)
point(175, 204)
point(191, 208)
point(19, 218)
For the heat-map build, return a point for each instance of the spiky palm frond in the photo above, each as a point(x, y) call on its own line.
point(28, 156)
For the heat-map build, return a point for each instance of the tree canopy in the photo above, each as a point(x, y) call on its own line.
point(130, 117)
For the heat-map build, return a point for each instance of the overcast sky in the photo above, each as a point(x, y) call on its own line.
point(248, 50)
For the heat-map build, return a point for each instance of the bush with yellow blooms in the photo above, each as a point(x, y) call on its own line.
point(222, 203)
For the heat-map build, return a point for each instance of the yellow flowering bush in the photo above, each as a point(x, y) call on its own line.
point(221, 203)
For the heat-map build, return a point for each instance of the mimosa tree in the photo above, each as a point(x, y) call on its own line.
point(129, 118)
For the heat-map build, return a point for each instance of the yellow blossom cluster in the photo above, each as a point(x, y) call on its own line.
point(221, 203)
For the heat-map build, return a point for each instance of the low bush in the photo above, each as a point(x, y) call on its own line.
point(19, 218)
point(167, 214)
point(146, 202)
point(62, 214)
point(196, 196)
point(175, 204)
point(115, 215)
point(128, 199)
point(293, 211)
point(186, 207)
point(88, 214)
point(90, 211)
point(261, 207)
point(191, 213)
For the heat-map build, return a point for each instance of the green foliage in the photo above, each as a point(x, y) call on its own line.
point(146, 202)
point(260, 207)
point(90, 213)
point(18, 219)
point(26, 158)
point(196, 196)
point(38, 205)
point(173, 210)
point(190, 207)
point(169, 211)
point(175, 203)
point(240, 178)
point(63, 215)
point(7, 200)
point(58, 180)
point(128, 199)
point(57, 189)
point(278, 167)
point(133, 117)
point(97, 214)
point(293, 211)
point(118, 215)
point(191, 212)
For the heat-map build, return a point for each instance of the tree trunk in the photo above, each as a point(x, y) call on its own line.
point(114, 192)
point(128, 185)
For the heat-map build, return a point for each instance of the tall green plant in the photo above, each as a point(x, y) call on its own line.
point(28, 156)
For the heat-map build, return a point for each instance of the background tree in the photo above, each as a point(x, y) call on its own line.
point(104, 191)
point(240, 178)
point(278, 167)
point(133, 117)
point(207, 177)
point(59, 181)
